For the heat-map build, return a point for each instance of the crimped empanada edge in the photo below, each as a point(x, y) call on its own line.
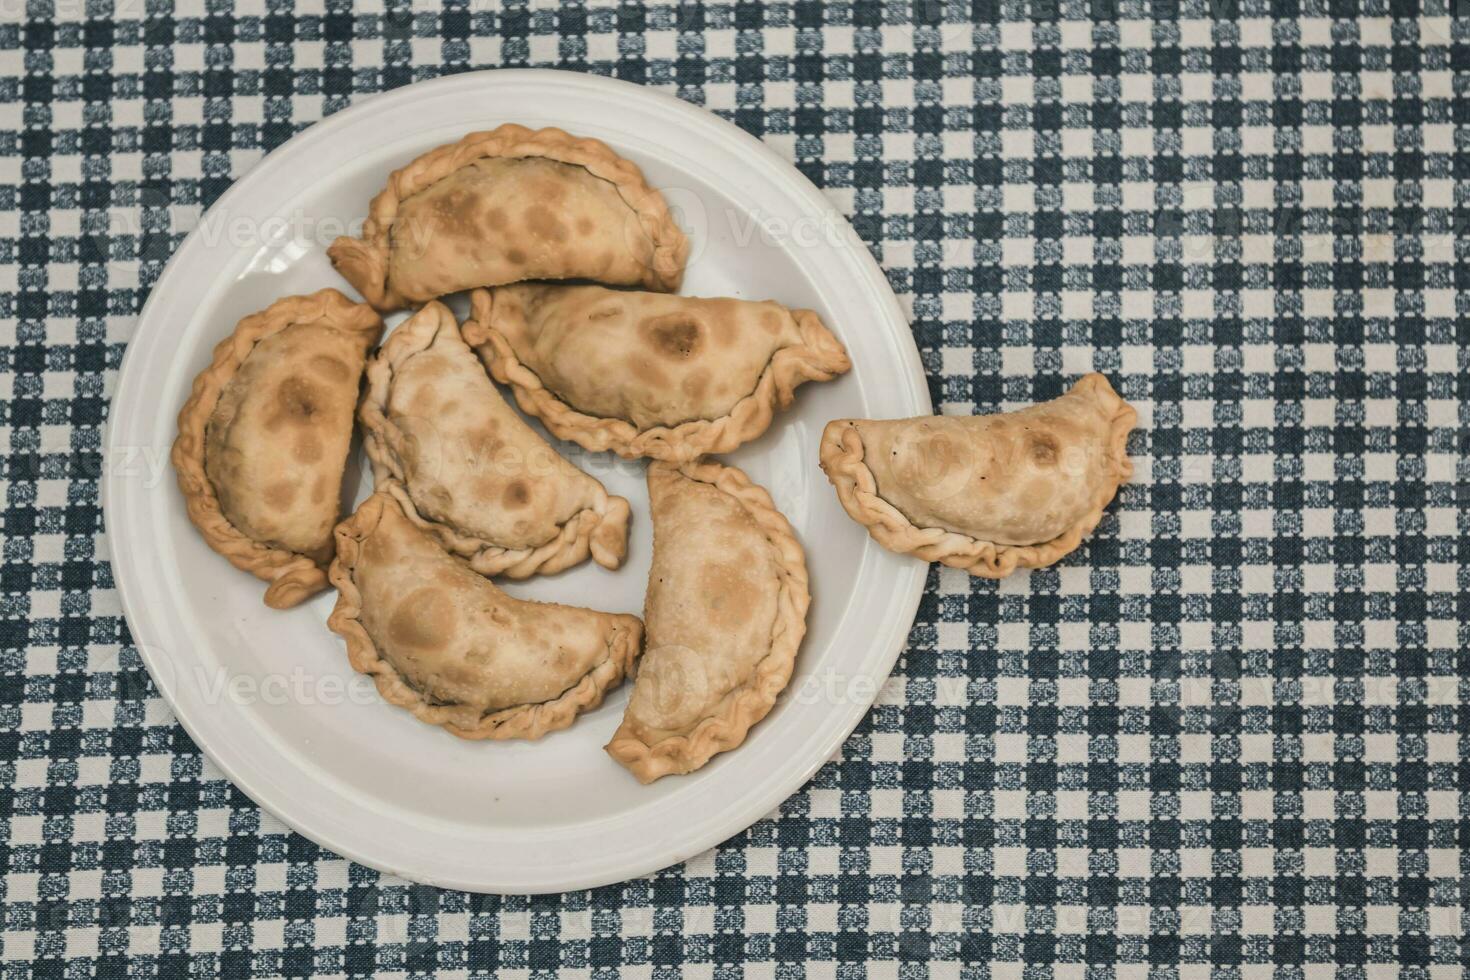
point(819, 357)
point(600, 531)
point(748, 704)
point(527, 721)
point(841, 452)
point(293, 577)
point(363, 261)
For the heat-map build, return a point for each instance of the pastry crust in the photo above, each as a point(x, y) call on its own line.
point(653, 241)
point(580, 654)
point(801, 349)
point(293, 576)
point(468, 470)
point(699, 604)
point(1079, 439)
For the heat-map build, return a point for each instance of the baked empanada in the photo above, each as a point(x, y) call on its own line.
point(725, 612)
point(466, 467)
point(263, 438)
point(648, 374)
point(506, 205)
point(442, 641)
point(986, 493)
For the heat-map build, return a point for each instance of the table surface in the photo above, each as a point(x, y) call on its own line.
point(1227, 733)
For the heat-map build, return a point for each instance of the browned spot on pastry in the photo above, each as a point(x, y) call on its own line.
point(771, 320)
point(606, 313)
point(308, 448)
point(494, 218)
point(516, 494)
point(544, 224)
point(450, 206)
point(297, 400)
point(515, 256)
point(585, 226)
point(487, 488)
point(280, 495)
point(547, 188)
point(484, 443)
point(424, 619)
point(674, 336)
point(696, 384)
point(728, 594)
point(330, 367)
point(1043, 449)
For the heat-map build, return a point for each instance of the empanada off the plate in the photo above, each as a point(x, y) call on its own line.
point(467, 469)
point(725, 614)
point(506, 205)
point(648, 374)
point(263, 438)
point(986, 493)
point(442, 641)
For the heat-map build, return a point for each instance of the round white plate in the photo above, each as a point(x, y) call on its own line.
point(269, 695)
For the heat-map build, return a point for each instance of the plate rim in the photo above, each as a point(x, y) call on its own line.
point(889, 646)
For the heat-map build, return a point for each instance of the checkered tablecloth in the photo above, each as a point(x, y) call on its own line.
point(1226, 739)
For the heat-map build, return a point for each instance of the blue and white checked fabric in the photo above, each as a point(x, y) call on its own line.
point(1226, 740)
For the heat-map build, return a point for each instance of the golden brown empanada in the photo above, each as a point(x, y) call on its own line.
point(648, 374)
point(725, 611)
point(986, 493)
point(442, 641)
point(466, 467)
point(263, 438)
point(506, 205)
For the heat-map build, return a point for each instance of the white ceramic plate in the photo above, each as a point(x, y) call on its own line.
point(270, 696)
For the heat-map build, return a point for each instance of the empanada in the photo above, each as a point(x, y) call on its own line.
point(986, 493)
point(725, 613)
point(466, 467)
point(442, 641)
point(648, 374)
point(506, 205)
point(263, 438)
